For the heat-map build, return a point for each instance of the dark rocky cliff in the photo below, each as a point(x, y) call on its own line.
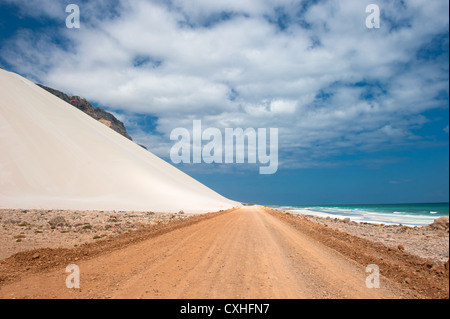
point(95, 112)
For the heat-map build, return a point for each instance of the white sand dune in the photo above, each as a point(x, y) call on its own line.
point(53, 156)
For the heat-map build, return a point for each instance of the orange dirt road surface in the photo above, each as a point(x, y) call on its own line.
point(248, 252)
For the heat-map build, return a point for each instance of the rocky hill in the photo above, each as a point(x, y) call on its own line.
point(97, 113)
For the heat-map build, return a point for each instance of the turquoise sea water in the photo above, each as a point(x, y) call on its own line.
point(405, 214)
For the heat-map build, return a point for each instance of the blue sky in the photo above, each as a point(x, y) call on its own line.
point(362, 113)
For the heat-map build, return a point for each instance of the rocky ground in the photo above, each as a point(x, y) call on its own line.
point(264, 253)
point(22, 230)
point(249, 252)
point(429, 242)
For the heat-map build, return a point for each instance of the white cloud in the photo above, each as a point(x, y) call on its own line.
point(326, 81)
point(283, 106)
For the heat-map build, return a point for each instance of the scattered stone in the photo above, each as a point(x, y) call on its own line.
point(401, 247)
point(57, 221)
point(423, 241)
point(440, 223)
point(68, 228)
point(113, 219)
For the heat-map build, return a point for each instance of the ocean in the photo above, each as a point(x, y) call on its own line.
point(390, 214)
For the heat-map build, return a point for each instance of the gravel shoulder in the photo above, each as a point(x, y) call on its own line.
point(425, 241)
point(23, 230)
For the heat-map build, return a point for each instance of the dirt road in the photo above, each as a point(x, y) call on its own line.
point(245, 253)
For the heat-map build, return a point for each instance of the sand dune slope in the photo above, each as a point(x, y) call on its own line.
point(54, 156)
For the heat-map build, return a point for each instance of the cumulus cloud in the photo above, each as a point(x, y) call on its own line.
point(310, 68)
